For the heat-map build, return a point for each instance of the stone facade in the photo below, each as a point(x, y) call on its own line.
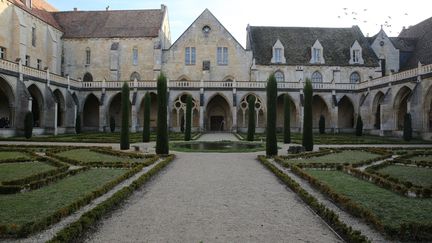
point(206, 62)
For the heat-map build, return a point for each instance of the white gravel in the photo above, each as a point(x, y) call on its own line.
point(213, 198)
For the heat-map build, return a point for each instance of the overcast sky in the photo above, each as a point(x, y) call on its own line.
point(235, 15)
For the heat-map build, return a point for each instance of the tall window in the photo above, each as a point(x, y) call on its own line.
point(27, 60)
point(34, 36)
point(317, 54)
point(135, 56)
point(222, 55)
point(317, 77)
point(356, 56)
point(190, 56)
point(88, 56)
point(355, 77)
point(278, 55)
point(2, 53)
point(39, 64)
point(279, 76)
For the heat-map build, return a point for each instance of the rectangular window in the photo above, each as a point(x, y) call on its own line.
point(39, 64)
point(34, 36)
point(190, 55)
point(27, 60)
point(2, 53)
point(356, 56)
point(278, 53)
point(135, 56)
point(222, 55)
point(88, 56)
point(317, 54)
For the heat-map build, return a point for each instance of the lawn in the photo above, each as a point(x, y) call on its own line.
point(421, 158)
point(416, 175)
point(345, 156)
point(9, 155)
point(15, 171)
point(96, 137)
point(86, 156)
point(35, 205)
point(388, 206)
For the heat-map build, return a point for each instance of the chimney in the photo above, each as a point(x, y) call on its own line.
point(75, 9)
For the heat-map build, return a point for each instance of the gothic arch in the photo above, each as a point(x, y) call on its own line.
point(135, 75)
point(115, 110)
point(153, 111)
point(178, 112)
point(218, 113)
point(280, 112)
point(88, 77)
point(243, 114)
point(37, 105)
point(229, 78)
point(320, 107)
point(61, 107)
point(90, 114)
point(428, 110)
point(7, 104)
point(401, 105)
point(376, 109)
point(346, 113)
point(183, 78)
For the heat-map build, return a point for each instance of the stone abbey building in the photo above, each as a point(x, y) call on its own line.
point(61, 64)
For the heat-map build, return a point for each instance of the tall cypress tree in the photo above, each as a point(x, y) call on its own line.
point(146, 118)
point(271, 141)
point(78, 124)
point(125, 106)
point(321, 124)
point(162, 127)
point(307, 117)
point(188, 129)
point(359, 126)
point(407, 129)
point(287, 119)
point(251, 117)
point(28, 125)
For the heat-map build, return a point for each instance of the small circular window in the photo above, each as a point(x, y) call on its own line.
point(206, 29)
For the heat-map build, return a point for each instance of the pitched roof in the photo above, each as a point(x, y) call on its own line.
point(423, 51)
point(110, 24)
point(298, 41)
point(40, 9)
point(404, 44)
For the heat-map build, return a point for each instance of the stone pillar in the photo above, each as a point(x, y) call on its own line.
point(202, 108)
point(335, 119)
point(234, 108)
point(75, 114)
point(30, 104)
point(20, 70)
point(102, 118)
point(55, 118)
point(48, 77)
point(134, 119)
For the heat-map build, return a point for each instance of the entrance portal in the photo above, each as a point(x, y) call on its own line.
point(218, 114)
point(217, 123)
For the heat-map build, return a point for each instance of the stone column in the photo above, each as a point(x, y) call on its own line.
point(102, 118)
point(55, 118)
point(134, 119)
point(234, 108)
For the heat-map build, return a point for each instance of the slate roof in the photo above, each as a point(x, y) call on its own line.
point(110, 24)
point(404, 44)
point(423, 51)
point(298, 41)
point(40, 9)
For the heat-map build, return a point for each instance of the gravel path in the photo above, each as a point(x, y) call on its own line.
point(355, 223)
point(213, 198)
point(49, 233)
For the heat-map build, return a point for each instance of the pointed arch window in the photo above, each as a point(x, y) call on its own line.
point(279, 76)
point(88, 77)
point(317, 77)
point(355, 77)
point(135, 76)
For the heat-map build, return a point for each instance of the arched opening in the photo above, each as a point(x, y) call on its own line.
point(178, 113)
point(345, 113)
point(88, 77)
point(428, 110)
point(218, 114)
point(91, 113)
point(376, 109)
point(37, 105)
point(115, 111)
point(355, 77)
point(61, 107)
point(243, 112)
point(153, 111)
point(280, 111)
point(135, 76)
point(6, 105)
point(319, 107)
point(401, 106)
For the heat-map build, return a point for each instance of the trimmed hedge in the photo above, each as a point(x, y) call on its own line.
point(75, 230)
point(328, 215)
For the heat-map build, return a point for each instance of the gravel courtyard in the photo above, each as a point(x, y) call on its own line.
point(213, 198)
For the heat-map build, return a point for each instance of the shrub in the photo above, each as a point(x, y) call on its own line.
point(307, 117)
point(359, 126)
point(287, 121)
point(251, 117)
point(124, 136)
point(146, 118)
point(188, 130)
point(28, 125)
point(271, 141)
point(321, 124)
point(78, 124)
point(162, 127)
point(407, 129)
point(112, 124)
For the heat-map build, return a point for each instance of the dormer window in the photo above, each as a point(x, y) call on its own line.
point(356, 54)
point(317, 53)
point(278, 53)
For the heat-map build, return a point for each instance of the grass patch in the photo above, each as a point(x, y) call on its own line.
point(87, 156)
point(388, 206)
point(35, 205)
point(427, 158)
point(345, 156)
point(416, 175)
point(13, 155)
point(15, 171)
